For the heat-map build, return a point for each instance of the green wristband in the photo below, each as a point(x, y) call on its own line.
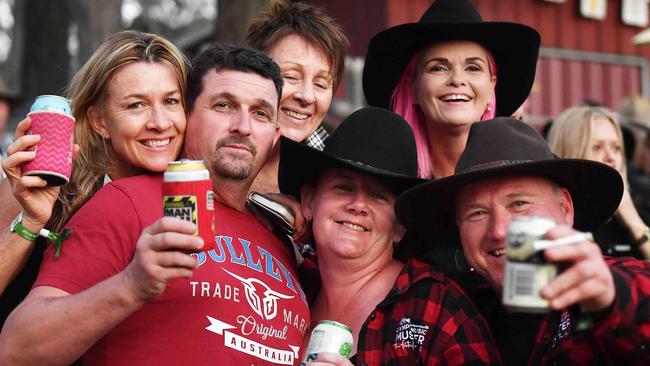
point(19, 229)
point(56, 238)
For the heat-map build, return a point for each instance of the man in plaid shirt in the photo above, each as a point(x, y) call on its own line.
point(599, 307)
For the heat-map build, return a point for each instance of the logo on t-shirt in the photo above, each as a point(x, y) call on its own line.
point(409, 334)
point(263, 302)
point(270, 324)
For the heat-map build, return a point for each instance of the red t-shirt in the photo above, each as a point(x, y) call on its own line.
point(243, 305)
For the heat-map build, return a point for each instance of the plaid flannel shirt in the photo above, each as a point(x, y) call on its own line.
point(426, 319)
point(618, 336)
point(317, 139)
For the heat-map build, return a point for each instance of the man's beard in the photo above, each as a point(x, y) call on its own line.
point(232, 166)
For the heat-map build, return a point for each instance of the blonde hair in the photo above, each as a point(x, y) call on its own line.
point(570, 132)
point(88, 89)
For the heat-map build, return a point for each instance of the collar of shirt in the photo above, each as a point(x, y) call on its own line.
point(413, 272)
point(317, 139)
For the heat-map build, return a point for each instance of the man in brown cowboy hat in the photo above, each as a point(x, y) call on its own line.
point(599, 307)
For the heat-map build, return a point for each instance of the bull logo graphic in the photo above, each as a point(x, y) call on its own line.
point(267, 306)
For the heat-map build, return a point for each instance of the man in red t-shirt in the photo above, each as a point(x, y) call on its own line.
point(125, 291)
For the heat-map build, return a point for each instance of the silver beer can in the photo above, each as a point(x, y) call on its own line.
point(330, 336)
point(526, 269)
point(51, 103)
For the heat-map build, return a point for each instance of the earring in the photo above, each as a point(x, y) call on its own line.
point(489, 108)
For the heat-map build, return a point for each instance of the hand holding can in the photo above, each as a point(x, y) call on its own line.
point(586, 278)
point(527, 270)
point(330, 336)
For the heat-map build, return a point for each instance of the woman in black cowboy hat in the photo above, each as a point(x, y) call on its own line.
point(446, 72)
point(403, 313)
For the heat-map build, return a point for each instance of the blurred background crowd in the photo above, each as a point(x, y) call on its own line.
point(593, 53)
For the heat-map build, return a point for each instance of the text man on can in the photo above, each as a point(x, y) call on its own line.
point(600, 307)
point(125, 291)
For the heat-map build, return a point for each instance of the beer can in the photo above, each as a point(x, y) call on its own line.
point(526, 269)
point(330, 336)
point(187, 194)
point(51, 103)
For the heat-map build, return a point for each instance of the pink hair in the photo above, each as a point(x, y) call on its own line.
point(402, 104)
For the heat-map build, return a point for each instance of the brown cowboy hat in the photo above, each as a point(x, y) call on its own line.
point(514, 47)
point(508, 147)
point(372, 141)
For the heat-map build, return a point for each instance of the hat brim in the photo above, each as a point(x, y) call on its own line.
point(515, 48)
point(596, 189)
point(300, 164)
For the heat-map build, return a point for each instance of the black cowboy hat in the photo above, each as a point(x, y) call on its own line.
point(508, 147)
point(373, 141)
point(514, 47)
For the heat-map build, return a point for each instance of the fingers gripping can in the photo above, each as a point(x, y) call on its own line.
point(188, 195)
point(330, 336)
point(526, 269)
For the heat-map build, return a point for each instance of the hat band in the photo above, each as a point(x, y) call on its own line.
point(494, 164)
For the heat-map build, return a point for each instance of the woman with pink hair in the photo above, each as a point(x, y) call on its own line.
point(446, 72)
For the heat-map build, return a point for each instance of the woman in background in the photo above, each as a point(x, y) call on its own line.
point(594, 133)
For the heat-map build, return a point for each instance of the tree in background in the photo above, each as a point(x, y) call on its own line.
point(95, 20)
point(50, 40)
point(46, 60)
point(42, 39)
point(233, 18)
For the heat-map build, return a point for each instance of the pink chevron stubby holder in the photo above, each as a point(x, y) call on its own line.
point(53, 161)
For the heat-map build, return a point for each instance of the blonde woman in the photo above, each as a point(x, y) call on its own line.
point(594, 133)
point(128, 103)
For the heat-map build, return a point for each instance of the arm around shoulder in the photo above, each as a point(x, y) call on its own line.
point(42, 323)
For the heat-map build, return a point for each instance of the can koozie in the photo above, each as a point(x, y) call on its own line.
point(192, 201)
point(53, 161)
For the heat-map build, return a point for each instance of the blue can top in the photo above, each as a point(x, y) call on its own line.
point(51, 103)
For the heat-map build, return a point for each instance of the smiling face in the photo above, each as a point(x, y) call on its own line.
point(453, 84)
point(233, 123)
point(142, 118)
point(485, 209)
point(353, 215)
point(307, 92)
point(604, 143)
